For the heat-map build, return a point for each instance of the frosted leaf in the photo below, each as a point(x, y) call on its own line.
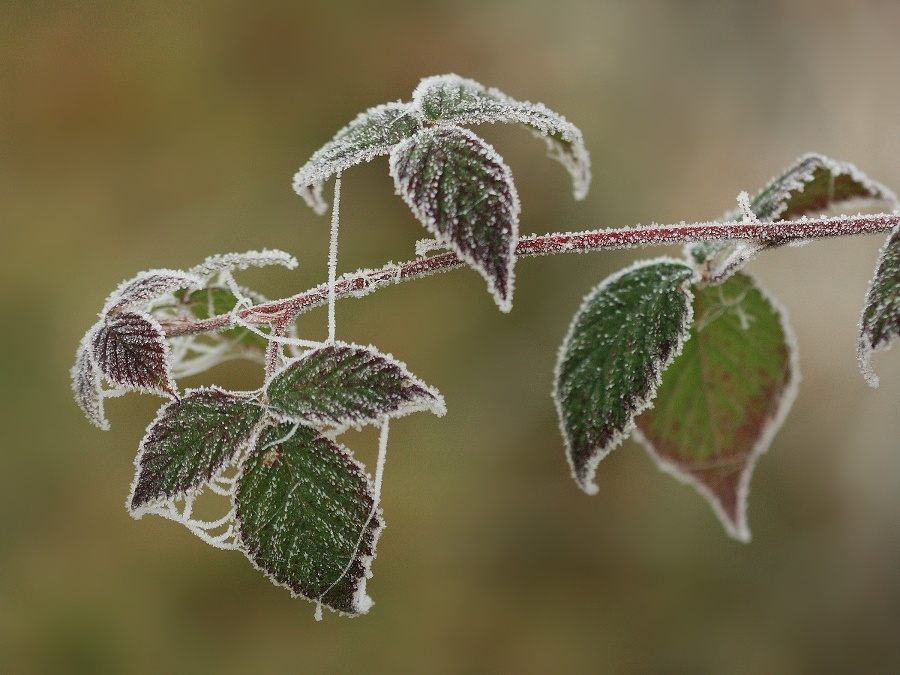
point(812, 184)
point(373, 133)
point(343, 384)
point(627, 331)
point(880, 322)
point(451, 99)
point(130, 350)
point(462, 192)
point(241, 261)
point(86, 382)
point(188, 442)
point(308, 517)
point(148, 286)
point(724, 397)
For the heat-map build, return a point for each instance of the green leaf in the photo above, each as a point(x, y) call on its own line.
point(372, 133)
point(627, 331)
point(190, 440)
point(450, 99)
point(308, 517)
point(215, 301)
point(343, 384)
point(724, 397)
point(880, 322)
point(462, 192)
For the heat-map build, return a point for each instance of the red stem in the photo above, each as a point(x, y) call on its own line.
point(363, 282)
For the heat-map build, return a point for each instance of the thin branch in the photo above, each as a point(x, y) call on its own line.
point(362, 282)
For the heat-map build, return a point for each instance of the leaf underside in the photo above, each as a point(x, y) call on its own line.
point(462, 192)
point(148, 286)
point(342, 384)
point(86, 383)
point(724, 397)
point(626, 332)
point(308, 518)
point(811, 185)
point(131, 351)
point(190, 440)
point(880, 323)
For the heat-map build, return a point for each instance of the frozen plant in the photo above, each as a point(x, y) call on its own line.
point(646, 345)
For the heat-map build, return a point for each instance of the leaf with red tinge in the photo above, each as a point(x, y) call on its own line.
point(131, 351)
point(462, 192)
point(343, 384)
point(86, 382)
point(880, 323)
point(724, 397)
point(308, 517)
point(188, 442)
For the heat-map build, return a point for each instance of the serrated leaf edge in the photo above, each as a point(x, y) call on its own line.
point(438, 406)
point(488, 153)
point(865, 348)
point(152, 507)
point(739, 529)
point(586, 481)
point(361, 600)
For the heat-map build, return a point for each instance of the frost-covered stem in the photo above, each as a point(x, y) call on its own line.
point(363, 282)
point(274, 347)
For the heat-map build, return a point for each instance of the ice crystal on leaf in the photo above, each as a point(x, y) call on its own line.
point(373, 133)
point(724, 397)
point(86, 382)
point(812, 184)
point(466, 197)
point(308, 517)
point(342, 385)
point(189, 441)
point(148, 286)
point(130, 350)
point(880, 322)
point(462, 192)
point(627, 331)
point(241, 261)
point(451, 99)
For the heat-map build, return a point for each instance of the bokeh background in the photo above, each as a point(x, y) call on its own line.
point(138, 134)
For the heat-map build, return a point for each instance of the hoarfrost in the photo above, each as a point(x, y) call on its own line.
point(241, 261)
point(451, 99)
point(879, 324)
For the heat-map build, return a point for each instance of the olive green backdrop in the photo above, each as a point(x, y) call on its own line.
point(138, 134)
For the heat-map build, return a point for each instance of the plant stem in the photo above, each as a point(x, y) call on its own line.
point(362, 282)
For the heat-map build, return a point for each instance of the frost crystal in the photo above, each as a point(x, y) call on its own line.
point(451, 99)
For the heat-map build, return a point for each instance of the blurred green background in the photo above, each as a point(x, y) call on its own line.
point(138, 134)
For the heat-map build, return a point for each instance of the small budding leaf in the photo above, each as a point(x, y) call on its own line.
point(880, 322)
point(628, 330)
point(724, 397)
point(451, 99)
point(373, 133)
point(206, 303)
point(308, 518)
point(188, 442)
point(342, 384)
point(86, 382)
point(131, 351)
point(463, 193)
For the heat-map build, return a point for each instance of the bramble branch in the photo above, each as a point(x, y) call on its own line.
point(363, 282)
